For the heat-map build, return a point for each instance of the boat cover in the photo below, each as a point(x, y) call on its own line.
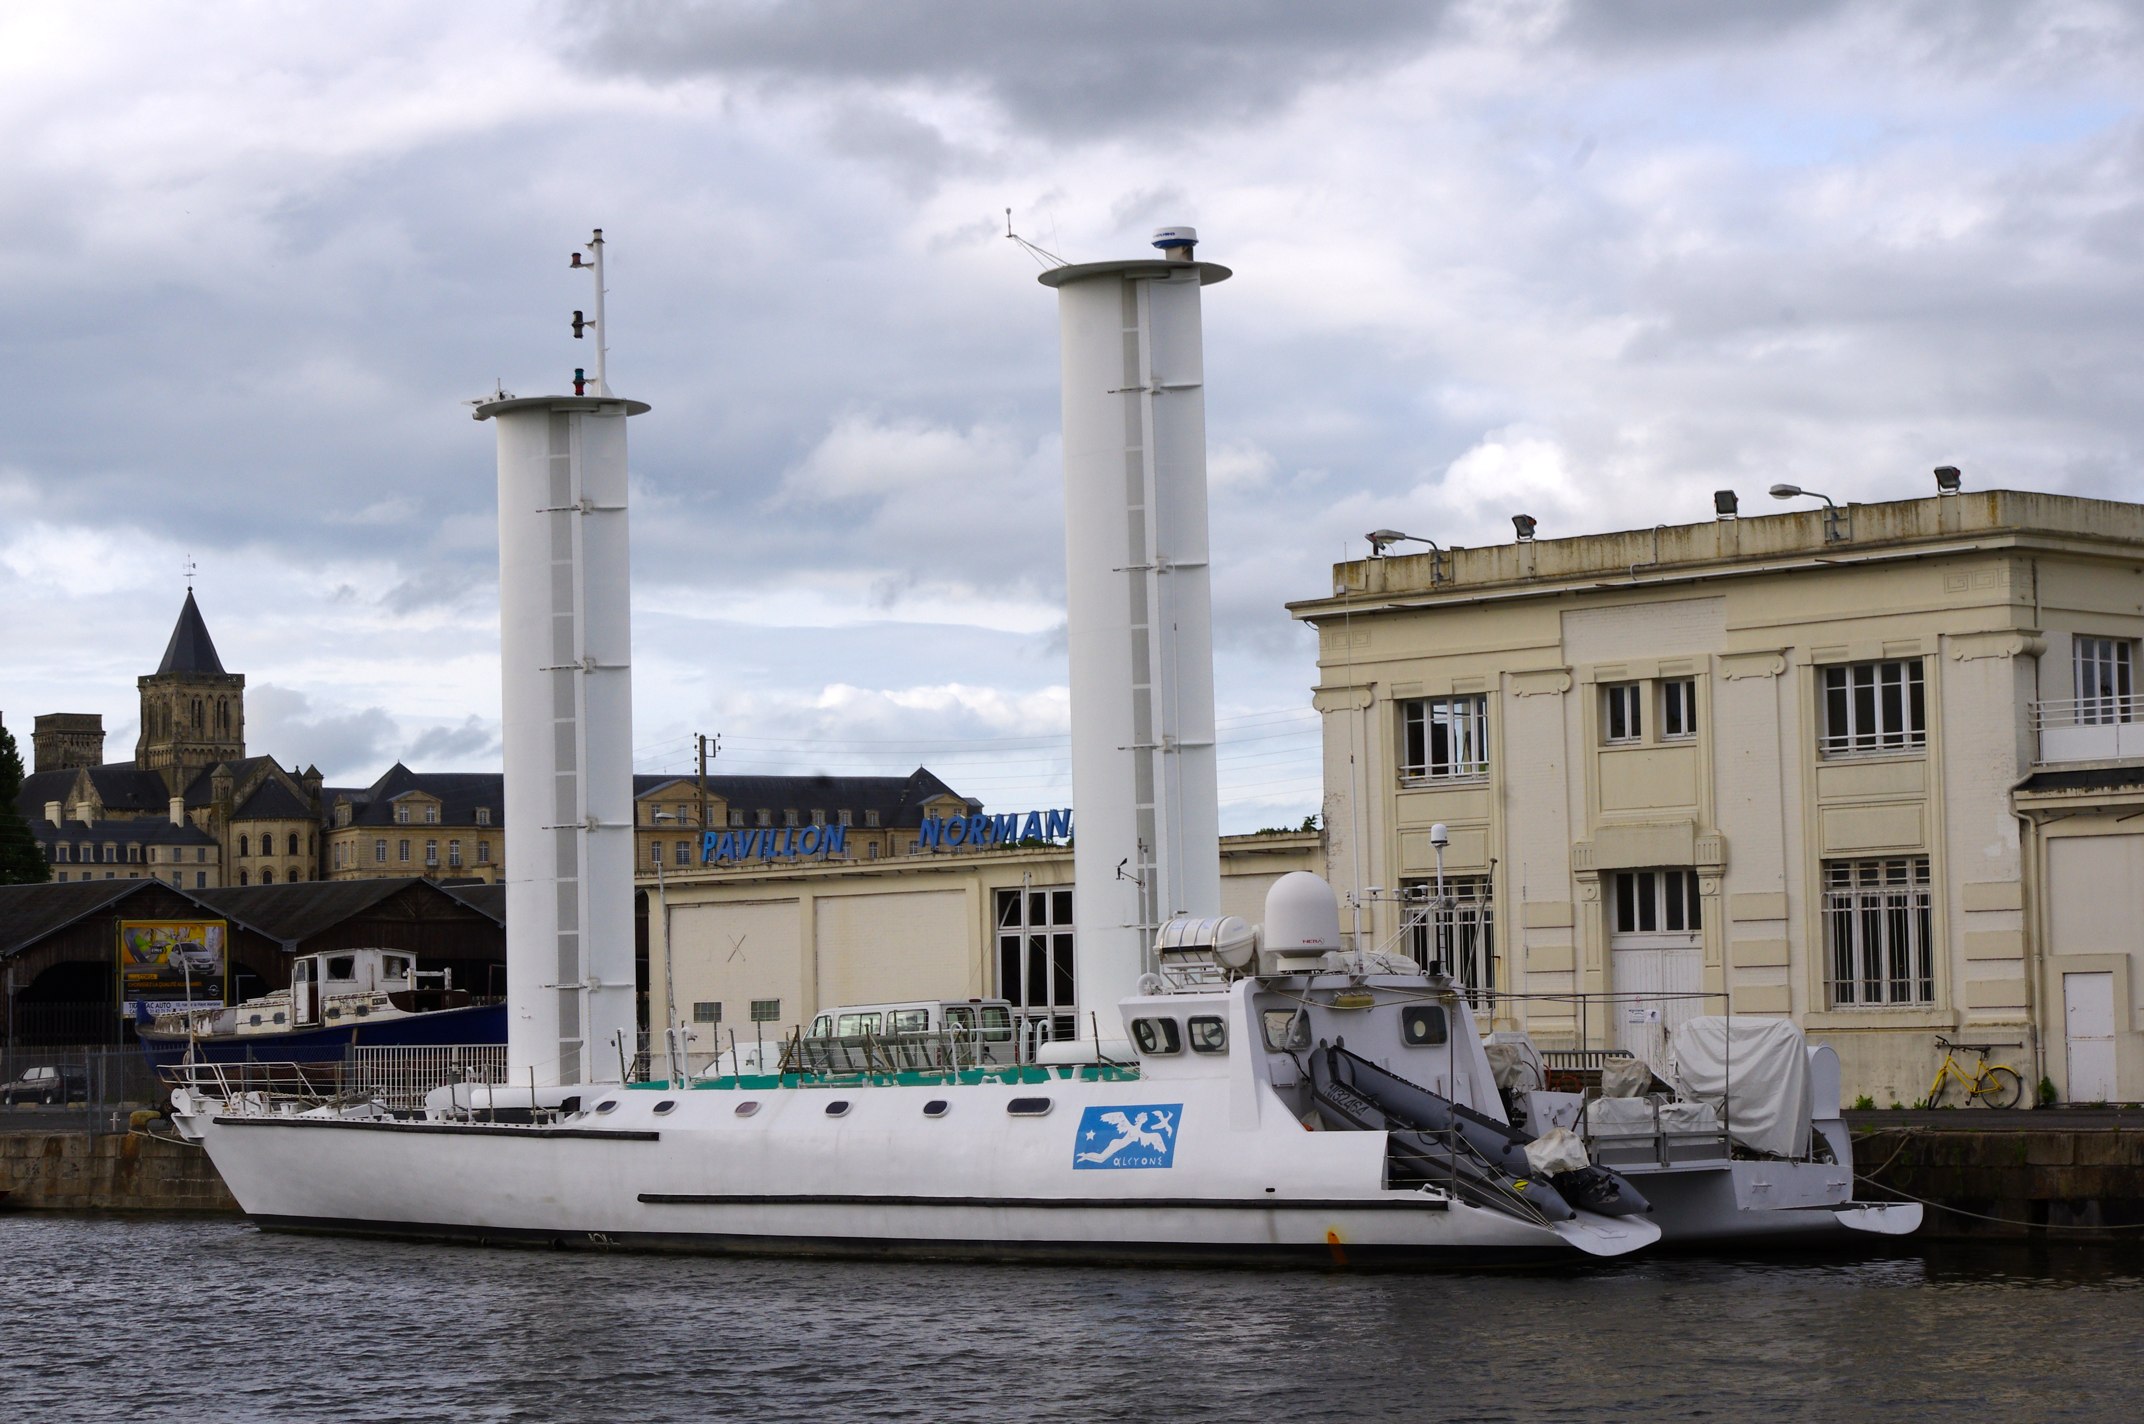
point(1626, 1078)
point(1557, 1151)
point(1756, 1069)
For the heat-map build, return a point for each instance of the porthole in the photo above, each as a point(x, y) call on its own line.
point(607, 1105)
point(1422, 1026)
point(746, 1109)
point(1208, 1035)
point(255, 1021)
point(1157, 1036)
point(1028, 1107)
point(279, 1016)
point(936, 1107)
point(363, 1009)
point(839, 1107)
point(666, 1107)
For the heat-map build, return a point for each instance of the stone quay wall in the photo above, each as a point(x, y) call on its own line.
point(107, 1171)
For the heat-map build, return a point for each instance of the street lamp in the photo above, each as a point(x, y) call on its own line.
point(1837, 524)
point(1440, 836)
point(1383, 539)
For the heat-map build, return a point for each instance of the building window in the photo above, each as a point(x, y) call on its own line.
point(1656, 902)
point(201, 855)
point(1678, 708)
point(655, 852)
point(483, 852)
point(1878, 931)
point(1460, 934)
point(111, 853)
point(293, 843)
point(483, 815)
point(1444, 738)
point(1621, 714)
point(789, 817)
point(60, 853)
point(342, 813)
point(844, 814)
point(871, 819)
point(736, 816)
point(431, 854)
point(1874, 707)
point(379, 852)
point(200, 880)
point(2104, 669)
point(134, 853)
point(766, 1011)
point(431, 815)
point(684, 852)
point(454, 854)
point(766, 817)
point(401, 815)
point(241, 877)
point(708, 1011)
point(402, 849)
point(268, 876)
point(1035, 962)
point(243, 843)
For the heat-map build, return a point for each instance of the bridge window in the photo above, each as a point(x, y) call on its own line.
point(1423, 1026)
point(1208, 1035)
point(1157, 1036)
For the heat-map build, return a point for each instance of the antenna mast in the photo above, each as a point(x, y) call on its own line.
point(594, 264)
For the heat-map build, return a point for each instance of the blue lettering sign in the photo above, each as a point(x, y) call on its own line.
point(1135, 1135)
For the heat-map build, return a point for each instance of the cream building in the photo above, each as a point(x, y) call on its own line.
point(1866, 767)
point(757, 950)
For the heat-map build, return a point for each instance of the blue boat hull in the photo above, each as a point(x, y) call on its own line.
point(476, 1024)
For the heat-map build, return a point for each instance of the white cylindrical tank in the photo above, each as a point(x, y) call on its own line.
point(1140, 605)
point(565, 653)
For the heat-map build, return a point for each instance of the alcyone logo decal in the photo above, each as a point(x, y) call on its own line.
point(1136, 1135)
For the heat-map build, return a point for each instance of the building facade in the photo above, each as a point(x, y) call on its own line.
point(1807, 764)
point(757, 950)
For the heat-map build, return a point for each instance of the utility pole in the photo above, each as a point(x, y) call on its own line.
point(709, 746)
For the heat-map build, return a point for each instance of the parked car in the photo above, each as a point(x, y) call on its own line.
point(49, 1084)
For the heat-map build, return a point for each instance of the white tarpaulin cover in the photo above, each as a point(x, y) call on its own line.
point(1626, 1078)
point(1758, 1067)
point(1557, 1150)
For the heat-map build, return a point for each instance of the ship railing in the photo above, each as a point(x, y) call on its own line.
point(395, 1079)
point(399, 1077)
point(940, 1050)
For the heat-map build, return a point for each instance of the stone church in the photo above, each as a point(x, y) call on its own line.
point(258, 823)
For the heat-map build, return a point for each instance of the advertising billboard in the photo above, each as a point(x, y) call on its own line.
point(167, 964)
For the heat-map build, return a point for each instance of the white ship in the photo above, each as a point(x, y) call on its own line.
point(1274, 1095)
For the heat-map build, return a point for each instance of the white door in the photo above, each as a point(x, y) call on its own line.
point(1656, 959)
point(2088, 1027)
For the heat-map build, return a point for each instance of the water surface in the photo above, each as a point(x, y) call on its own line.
point(203, 1318)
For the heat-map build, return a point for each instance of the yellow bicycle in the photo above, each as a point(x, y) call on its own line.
point(1994, 1084)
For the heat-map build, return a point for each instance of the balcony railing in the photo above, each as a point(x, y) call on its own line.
point(2089, 728)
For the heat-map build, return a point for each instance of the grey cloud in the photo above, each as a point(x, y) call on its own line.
point(282, 723)
point(1103, 66)
point(449, 748)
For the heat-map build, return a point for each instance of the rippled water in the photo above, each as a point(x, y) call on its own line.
point(205, 1318)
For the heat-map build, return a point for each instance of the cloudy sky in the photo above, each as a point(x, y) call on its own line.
point(1589, 261)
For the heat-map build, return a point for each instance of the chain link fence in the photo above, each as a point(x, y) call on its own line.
point(74, 1087)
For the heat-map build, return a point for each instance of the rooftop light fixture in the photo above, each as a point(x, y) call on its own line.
point(1838, 527)
point(1383, 539)
point(1948, 479)
point(1524, 523)
point(1725, 504)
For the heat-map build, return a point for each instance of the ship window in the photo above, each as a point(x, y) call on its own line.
point(342, 966)
point(1422, 1026)
point(607, 1105)
point(1157, 1036)
point(665, 1107)
point(936, 1107)
point(1285, 1029)
point(1208, 1035)
point(746, 1109)
point(1028, 1107)
point(839, 1107)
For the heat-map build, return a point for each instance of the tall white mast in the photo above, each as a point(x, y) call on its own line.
point(565, 651)
point(1140, 601)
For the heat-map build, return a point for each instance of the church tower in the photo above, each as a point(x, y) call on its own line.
point(193, 713)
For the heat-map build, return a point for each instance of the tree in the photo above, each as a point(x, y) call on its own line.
point(21, 862)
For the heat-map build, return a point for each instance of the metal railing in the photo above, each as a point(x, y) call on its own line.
point(393, 1079)
point(2089, 728)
